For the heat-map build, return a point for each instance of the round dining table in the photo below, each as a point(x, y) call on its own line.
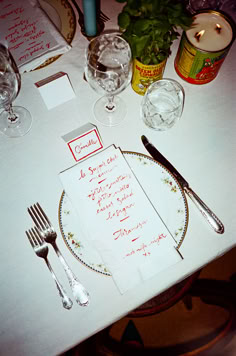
point(201, 145)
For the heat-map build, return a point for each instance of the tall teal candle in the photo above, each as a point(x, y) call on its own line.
point(89, 8)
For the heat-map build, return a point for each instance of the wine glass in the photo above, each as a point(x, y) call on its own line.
point(14, 121)
point(108, 71)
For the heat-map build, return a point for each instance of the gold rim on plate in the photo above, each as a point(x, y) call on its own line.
point(67, 17)
point(164, 192)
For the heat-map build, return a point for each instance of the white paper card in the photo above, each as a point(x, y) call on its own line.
point(83, 141)
point(119, 219)
point(55, 90)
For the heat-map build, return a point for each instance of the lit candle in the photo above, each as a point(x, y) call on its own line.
point(90, 25)
point(210, 32)
point(204, 46)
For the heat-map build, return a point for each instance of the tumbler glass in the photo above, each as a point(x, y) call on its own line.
point(162, 104)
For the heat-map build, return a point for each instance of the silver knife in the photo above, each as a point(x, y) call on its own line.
point(211, 218)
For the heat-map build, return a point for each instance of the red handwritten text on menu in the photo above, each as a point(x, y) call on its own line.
point(117, 215)
point(26, 29)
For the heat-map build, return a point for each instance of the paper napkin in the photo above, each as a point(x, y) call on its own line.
point(118, 218)
point(29, 33)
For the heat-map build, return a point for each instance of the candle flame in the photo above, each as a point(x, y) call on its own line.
point(218, 28)
point(199, 34)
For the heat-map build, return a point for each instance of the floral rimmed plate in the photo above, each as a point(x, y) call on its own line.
point(62, 15)
point(163, 191)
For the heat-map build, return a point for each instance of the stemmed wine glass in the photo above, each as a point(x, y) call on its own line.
point(14, 121)
point(108, 71)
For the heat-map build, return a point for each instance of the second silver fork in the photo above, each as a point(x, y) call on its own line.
point(49, 234)
point(41, 249)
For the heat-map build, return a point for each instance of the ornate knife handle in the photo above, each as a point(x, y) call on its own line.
point(211, 218)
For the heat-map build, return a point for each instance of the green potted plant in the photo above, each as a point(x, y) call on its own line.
point(150, 27)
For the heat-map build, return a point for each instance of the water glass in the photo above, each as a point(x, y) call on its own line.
point(162, 104)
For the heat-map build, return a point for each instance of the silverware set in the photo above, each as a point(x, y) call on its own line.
point(39, 237)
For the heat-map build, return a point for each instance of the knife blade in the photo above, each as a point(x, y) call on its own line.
point(206, 212)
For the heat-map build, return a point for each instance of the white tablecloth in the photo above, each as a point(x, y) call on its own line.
point(202, 146)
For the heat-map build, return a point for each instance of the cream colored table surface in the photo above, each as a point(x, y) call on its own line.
point(201, 145)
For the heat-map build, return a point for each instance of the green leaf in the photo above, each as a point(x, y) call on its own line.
point(140, 44)
point(150, 27)
point(161, 57)
point(123, 20)
point(141, 26)
point(146, 60)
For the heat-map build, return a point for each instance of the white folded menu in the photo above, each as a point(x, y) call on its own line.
point(29, 33)
point(118, 218)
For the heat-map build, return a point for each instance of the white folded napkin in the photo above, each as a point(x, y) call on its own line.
point(118, 218)
point(29, 34)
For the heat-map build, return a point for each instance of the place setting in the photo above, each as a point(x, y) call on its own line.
point(117, 137)
point(138, 232)
point(137, 200)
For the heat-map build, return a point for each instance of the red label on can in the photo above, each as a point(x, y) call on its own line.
point(197, 66)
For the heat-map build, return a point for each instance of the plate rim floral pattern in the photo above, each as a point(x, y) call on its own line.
point(68, 21)
point(102, 269)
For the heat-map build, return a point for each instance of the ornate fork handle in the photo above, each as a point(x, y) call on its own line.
point(66, 301)
point(78, 290)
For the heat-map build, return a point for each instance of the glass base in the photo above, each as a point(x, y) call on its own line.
point(20, 126)
point(110, 117)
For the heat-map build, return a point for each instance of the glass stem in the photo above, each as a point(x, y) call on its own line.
point(110, 106)
point(13, 118)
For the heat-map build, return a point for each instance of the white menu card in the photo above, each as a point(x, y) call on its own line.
point(29, 34)
point(118, 218)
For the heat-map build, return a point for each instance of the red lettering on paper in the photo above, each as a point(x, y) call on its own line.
point(82, 174)
point(144, 247)
point(104, 208)
point(80, 147)
point(126, 232)
point(127, 217)
point(20, 29)
point(119, 212)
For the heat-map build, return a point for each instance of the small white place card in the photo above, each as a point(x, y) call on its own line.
point(83, 141)
point(56, 89)
point(116, 215)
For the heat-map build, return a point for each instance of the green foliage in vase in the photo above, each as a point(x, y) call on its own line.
point(150, 27)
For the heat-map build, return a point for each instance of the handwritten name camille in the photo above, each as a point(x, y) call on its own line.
point(80, 147)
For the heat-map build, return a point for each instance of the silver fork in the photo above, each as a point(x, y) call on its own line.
point(103, 16)
point(49, 235)
point(41, 249)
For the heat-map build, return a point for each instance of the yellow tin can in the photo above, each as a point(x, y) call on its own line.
point(144, 75)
